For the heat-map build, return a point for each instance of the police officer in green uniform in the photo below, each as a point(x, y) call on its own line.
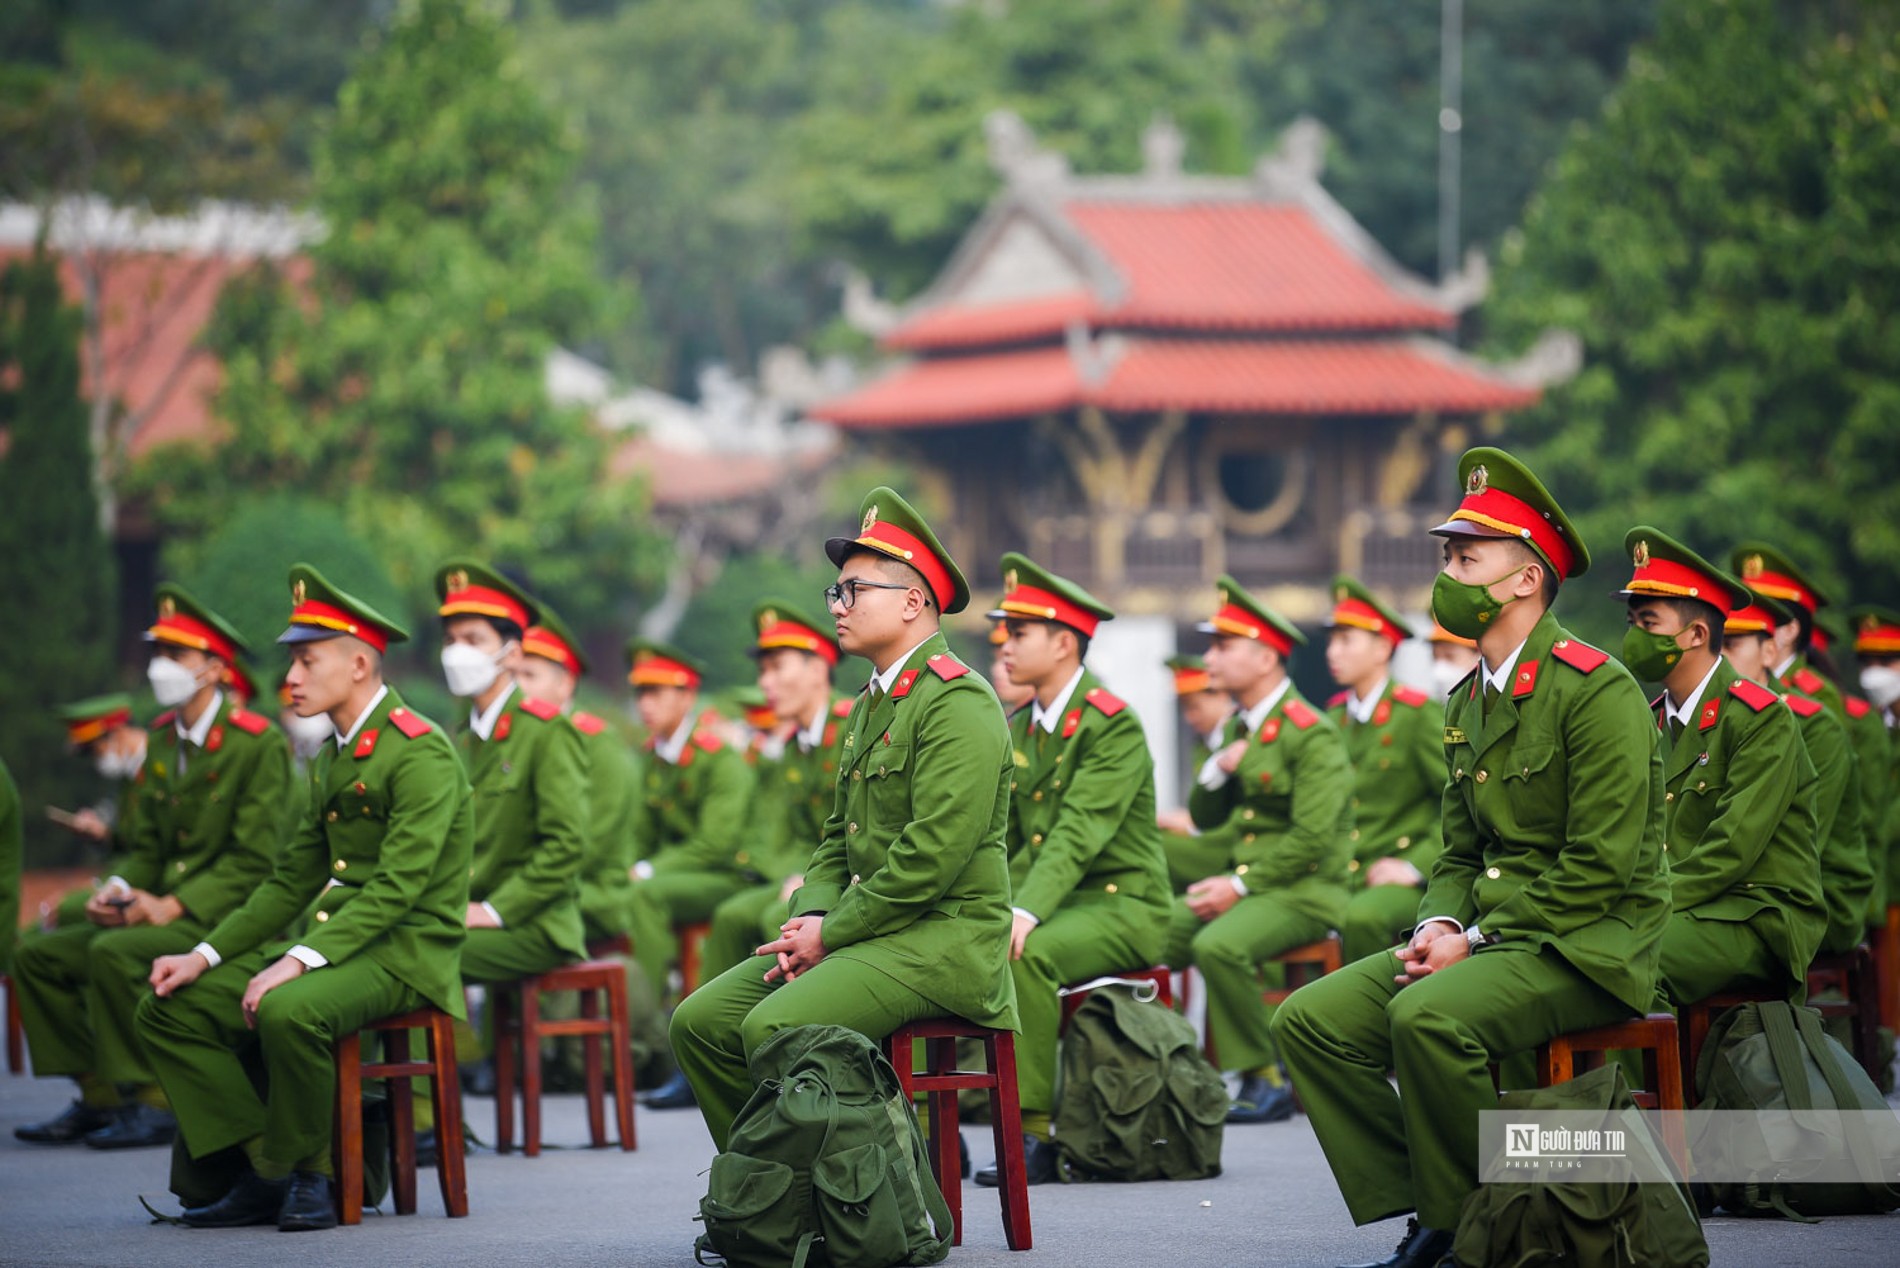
point(12, 845)
point(1847, 877)
point(215, 800)
point(905, 909)
point(1394, 738)
point(528, 776)
point(1090, 884)
point(1739, 817)
point(100, 729)
point(1544, 913)
point(1877, 646)
point(1205, 711)
point(1274, 801)
point(383, 851)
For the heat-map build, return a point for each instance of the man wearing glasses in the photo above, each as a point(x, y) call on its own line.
point(904, 913)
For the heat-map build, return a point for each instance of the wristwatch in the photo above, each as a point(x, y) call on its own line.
point(1475, 939)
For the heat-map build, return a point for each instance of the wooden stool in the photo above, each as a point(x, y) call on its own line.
point(1697, 1017)
point(1887, 967)
point(398, 1069)
point(617, 944)
point(590, 977)
point(1161, 977)
point(1306, 964)
point(1655, 1035)
point(16, 1044)
point(1852, 974)
point(691, 936)
point(940, 1083)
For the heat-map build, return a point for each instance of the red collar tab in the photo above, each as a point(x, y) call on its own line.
point(1071, 721)
point(905, 681)
point(503, 725)
point(1269, 730)
point(215, 740)
point(365, 744)
point(1382, 714)
point(1524, 681)
point(1711, 711)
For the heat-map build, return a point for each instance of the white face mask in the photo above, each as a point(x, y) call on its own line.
point(1446, 675)
point(307, 735)
point(470, 671)
point(120, 765)
point(172, 683)
point(1882, 685)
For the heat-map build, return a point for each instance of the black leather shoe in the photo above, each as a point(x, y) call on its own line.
point(675, 1093)
point(252, 1200)
point(70, 1125)
point(135, 1126)
point(1039, 1164)
point(1421, 1247)
point(309, 1203)
point(1258, 1101)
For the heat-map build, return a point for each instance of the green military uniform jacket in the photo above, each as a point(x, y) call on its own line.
point(1082, 810)
point(1739, 819)
point(1873, 752)
point(911, 874)
point(1284, 817)
point(208, 835)
point(607, 854)
point(1398, 774)
point(691, 815)
point(793, 800)
point(1847, 873)
point(384, 849)
point(12, 847)
point(1553, 816)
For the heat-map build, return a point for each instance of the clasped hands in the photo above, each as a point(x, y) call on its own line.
point(799, 947)
point(1438, 944)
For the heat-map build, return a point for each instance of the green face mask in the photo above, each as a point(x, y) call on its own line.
point(1650, 656)
point(1464, 609)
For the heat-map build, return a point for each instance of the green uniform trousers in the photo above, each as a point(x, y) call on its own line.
point(1378, 918)
point(1229, 951)
point(663, 903)
point(199, 1047)
point(717, 1027)
point(1073, 945)
point(1415, 1147)
point(1192, 858)
point(1702, 957)
point(79, 986)
point(741, 925)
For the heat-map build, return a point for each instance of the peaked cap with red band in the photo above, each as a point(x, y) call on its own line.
point(467, 588)
point(1358, 608)
point(1240, 615)
point(185, 622)
point(653, 664)
point(1876, 631)
point(1663, 568)
point(550, 639)
point(1761, 567)
point(93, 718)
point(1440, 634)
point(321, 611)
point(1503, 499)
point(1762, 614)
point(890, 526)
point(1033, 593)
point(781, 624)
point(1190, 675)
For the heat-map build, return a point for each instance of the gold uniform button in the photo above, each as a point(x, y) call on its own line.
point(880, 769)
point(1404, 842)
point(855, 878)
point(1247, 840)
point(1241, 870)
point(1036, 796)
point(1355, 834)
point(857, 775)
point(1459, 773)
point(179, 866)
point(1036, 839)
point(331, 816)
point(1352, 865)
point(1056, 784)
point(341, 865)
point(1483, 775)
point(742, 857)
point(1247, 813)
point(1492, 872)
point(853, 828)
point(1112, 888)
point(1669, 796)
point(322, 917)
point(1701, 785)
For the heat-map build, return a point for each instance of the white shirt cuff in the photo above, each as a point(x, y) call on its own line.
point(210, 953)
point(492, 913)
point(118, 883)
point(1030, 916)
point(643, 870)
point(1455, 924)
point(1240, 886)
point(1211, 776)
point(305, 956)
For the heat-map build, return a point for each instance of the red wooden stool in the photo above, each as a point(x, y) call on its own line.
point(1887, 967)
point(1852, 974)
point(16, 1045)
point(439, 1066)
point(1697, 1017)
point(1655, 1035)
point(1161, 977)
point(1306, 964)
point(941, 1082)
point(691, 936)
point(617, 944)
point(590, 978)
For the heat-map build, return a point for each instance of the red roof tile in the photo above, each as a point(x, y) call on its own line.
point(961, 390)
point(969, 325)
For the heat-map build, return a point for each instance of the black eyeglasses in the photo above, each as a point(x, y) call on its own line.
point(845, 593)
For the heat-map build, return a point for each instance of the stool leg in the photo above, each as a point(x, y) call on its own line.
point(590, 1063)
point(1675, 1130)
point(1860, 991)
point(16, 1032)
point(452, 1167)
point(946, 1153)
point(347, 1137)
point(501, 1003)
point(402, 1126)
point(1007, 1112)
point(1554, 1064)
point(620, 1035)
point(903, 1057)
point(530, 1069)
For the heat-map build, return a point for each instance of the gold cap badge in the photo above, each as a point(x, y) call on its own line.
point(167, 608)
point(1751, 567)
point(1640, 555)
point(870, 518)
point(1478, 481)
point(767, 619)
point(296, 590)
point(457, 580)
point(1009, 579)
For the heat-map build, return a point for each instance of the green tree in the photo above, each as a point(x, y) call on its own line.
point(1721, 238)
point(404, 382)
point(55, 567)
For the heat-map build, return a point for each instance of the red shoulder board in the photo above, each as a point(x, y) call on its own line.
point(165, 719)
point(1382, 714)
point(1411, 697)
point(946, 666)
point(248, 722)
point(588, 724)
point(841, 709)
point(1299, 714)
point(1071, 722)
point(1804, 678)
point(410, 724)
point(905, 681)
point(1107, 701)
point(1711, 710)
point(1581, 657)
point(1524, 681)
point(365, 744)
point(1339, 700)
point(1756, 698)
point(1856, 707)
point(541, 709)
point(708, 741)
point(1802, 706)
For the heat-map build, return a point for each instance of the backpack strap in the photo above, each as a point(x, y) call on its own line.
point(1860, 1142)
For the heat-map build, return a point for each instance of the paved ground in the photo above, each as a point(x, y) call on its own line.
point(1275, 1205)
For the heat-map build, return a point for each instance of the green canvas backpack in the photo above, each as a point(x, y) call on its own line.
point(1549, 1220)
point(1135, 1099)
point(1776, 1057)
point(824, 1165)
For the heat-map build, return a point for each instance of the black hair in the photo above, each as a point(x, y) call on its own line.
point(509, 631)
